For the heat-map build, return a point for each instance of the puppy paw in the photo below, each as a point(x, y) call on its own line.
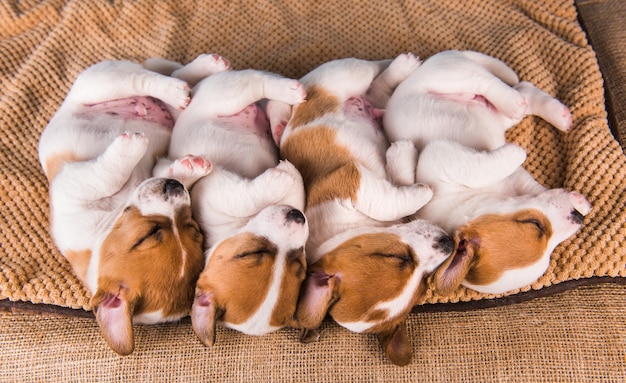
point(130, 145)
point(177, 93)
point(211, 63)
point(405, 64)
point(401, 162)
point(422, 193)
point(511, 154)
point(290, 91)
point(515, 106)
point(190, 167)
point(285, 173)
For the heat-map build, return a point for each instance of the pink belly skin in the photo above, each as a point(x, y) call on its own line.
point(252, 118)
point(144, 108)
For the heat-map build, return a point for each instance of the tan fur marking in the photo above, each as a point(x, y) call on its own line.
point(80, 262)
point(319, 102)
point(372, 268)
point(54, 163)
point(505, 242)
point(294, 274)
point(149, 265)
point(328, 169)
point(239, 272)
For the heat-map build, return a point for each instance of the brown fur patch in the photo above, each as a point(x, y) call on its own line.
point(505, 242)
point(327, 168)
point(79, 260)
point(319, 102)
point(372, 268)
point(144, 256)
point(239, 272)
point(54, 163)
point(294, 274)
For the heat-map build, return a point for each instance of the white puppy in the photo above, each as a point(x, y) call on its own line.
point(130, 238)
point(247, 203)
point(366, 267)
point(456, 109)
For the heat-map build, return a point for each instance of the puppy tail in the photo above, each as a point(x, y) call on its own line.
point(493, 65)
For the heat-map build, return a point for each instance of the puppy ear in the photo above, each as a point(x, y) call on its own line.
point(114, 313)
point(453, 271)
point(318, 293)
point(396, 345)
point(204, 316)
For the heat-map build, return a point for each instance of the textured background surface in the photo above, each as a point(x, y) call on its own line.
point(576, 336)
point(45, 45)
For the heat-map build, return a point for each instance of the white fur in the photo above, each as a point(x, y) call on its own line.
point(441, 111)
point(222, 151)
point(378, 202)
point(115, 155)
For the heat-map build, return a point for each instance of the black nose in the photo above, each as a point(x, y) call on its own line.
point(173, 187)
point(577, 216)
point(445, 244)
point(296, 216)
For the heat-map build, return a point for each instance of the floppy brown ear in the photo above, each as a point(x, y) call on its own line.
point(396, 345)
point(114, 314)
point(318, 293)
point(453, 270)
point(204, 317)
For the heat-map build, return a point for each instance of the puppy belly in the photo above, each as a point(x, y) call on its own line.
point(252, 118)
point(142, 108)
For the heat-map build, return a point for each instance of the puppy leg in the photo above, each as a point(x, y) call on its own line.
point(401, 163)
point(345, 78)
point(112, 80)
point(383, 201)
point(227, 194)
point(201, 67)
point(450, 162)
point(105, 176)
point(384, 84)
point(229, 92)
point(540, 103)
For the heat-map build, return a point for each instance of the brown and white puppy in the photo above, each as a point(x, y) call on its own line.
point(247, 203)
point(456, 109)
point(130, 238)
point(366, 267)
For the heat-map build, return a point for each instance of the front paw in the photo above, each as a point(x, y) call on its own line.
point(291, 92)
point(405, 64)
point(401, 162)
point(190, 169)
point(130, 145)
point(178, 94)
point(212, 63)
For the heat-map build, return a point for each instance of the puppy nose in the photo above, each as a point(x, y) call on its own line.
point(296, 216)
point(173, 187)
point(577, 216)
point(445, 244)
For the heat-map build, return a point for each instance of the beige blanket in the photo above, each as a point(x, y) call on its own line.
point(43, 46)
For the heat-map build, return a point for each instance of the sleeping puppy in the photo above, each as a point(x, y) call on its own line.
point(131, 239)
point(456, 109)
point(247, 203)
point(466, 97)
point(366, 267)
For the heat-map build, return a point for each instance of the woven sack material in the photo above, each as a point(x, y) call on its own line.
point(44, 45)
point(568, 337)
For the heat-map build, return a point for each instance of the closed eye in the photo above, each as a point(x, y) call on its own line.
point(154, 233)
point(404, 259)
point(536, 223)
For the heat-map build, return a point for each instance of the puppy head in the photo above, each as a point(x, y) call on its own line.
point(148, 262)
point(252, 279)
point(496, 253)
point(370, 281)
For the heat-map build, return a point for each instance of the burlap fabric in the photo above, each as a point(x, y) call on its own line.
point(44, 45)
point(569, 337)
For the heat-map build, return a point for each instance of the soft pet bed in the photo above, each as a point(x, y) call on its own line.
point(44, 45)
